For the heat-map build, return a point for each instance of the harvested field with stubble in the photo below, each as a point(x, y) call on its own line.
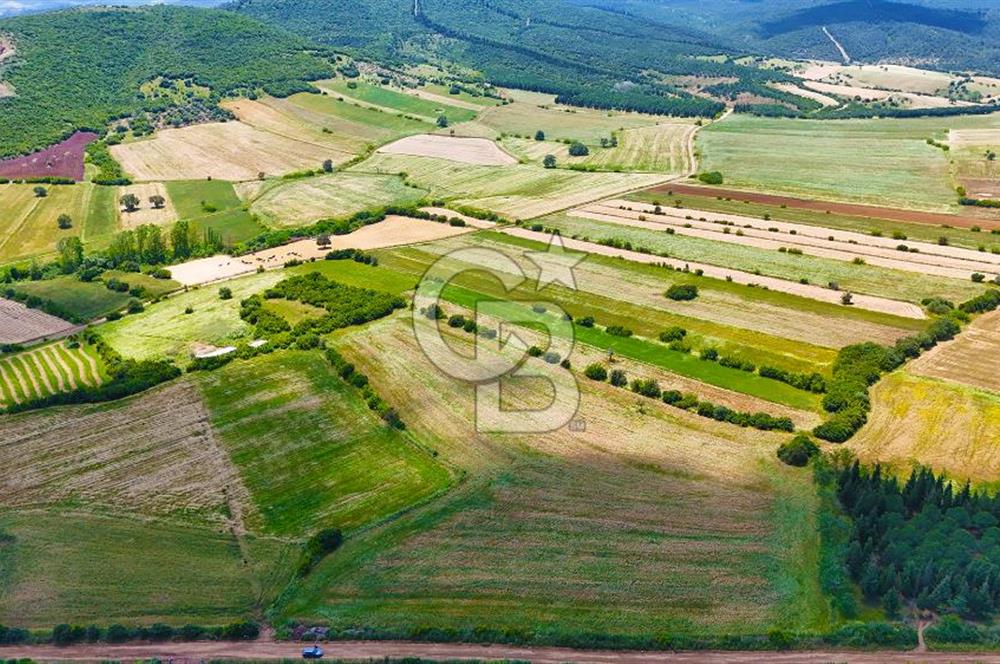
point(562, 529)
point(972, 359)
point(46, 370)
point(940, 424)
point(146, 213)
point(520, 191)
point(19, 324)
point(154, 454)
point(919, 257)
point(477, 151)
point(883, 284)
point(221, 150)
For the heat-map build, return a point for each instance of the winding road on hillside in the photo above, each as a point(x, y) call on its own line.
point(365, 650)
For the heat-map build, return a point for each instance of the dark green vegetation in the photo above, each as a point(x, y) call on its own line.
point(922, 542)
point(80, 68)
point(955, 35)
point(579, 53)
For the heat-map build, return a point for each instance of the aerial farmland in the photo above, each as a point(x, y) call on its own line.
point(312, 334)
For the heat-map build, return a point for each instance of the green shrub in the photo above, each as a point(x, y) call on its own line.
point(798, 451)
point(596, 372)
point(682, 292)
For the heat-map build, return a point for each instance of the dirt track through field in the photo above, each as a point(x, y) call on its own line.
point(849, 209)
point(376, 650)
point(953, 262)
point(61, 371)
point(809, 291)
point(41, 372)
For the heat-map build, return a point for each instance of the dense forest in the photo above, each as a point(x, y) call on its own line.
point(584, 55)
point(922, 542)
point(80, 68)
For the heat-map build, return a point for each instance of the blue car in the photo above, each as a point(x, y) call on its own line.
point(312, 652)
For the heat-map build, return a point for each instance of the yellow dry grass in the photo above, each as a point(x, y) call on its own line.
point(224, 151)
point(146, 214)
point(940, 424)
point(278, 117)
point(973, 358)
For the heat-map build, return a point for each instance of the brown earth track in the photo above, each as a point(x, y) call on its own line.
point(850, 209)
point(375, 650)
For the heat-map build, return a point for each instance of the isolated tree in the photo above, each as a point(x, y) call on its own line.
point(539, 135)
point(549, 161)
point(328, 166)
point(65, 222)
point(40, 192)
point(225, 293)
point(578, 149)
point(157, 201)
point(323, 240)
point(130, 202)
point(847, 299)
point(70, 253)
point(442, 121)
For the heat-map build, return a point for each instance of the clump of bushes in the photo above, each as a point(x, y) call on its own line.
point(318, 547)
point(347, 371)
point(682, 292)
point(596, 372)
point(799, 451)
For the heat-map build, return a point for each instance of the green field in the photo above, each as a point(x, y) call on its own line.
point(445, 91)
point(82, 568)
point(959, 237)
point(213, 204)
point(301, 202)
point(308, 448)
point(357, 124)
point(869, 279)
point(397, 101)
point(46, 370)
point(28, 224)
point(881, 162)
point(562, 535)
point(520, 191)
point(165, 330)
point(87, 300)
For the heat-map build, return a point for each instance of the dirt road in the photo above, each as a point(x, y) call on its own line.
point(368, 650)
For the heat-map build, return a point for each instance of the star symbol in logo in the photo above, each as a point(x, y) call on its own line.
point(555, 264)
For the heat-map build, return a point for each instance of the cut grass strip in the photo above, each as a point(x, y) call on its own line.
point(64, 376)
point(42, 371)
point(26, 377)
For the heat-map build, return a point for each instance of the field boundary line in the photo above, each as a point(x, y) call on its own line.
point(25, 392)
